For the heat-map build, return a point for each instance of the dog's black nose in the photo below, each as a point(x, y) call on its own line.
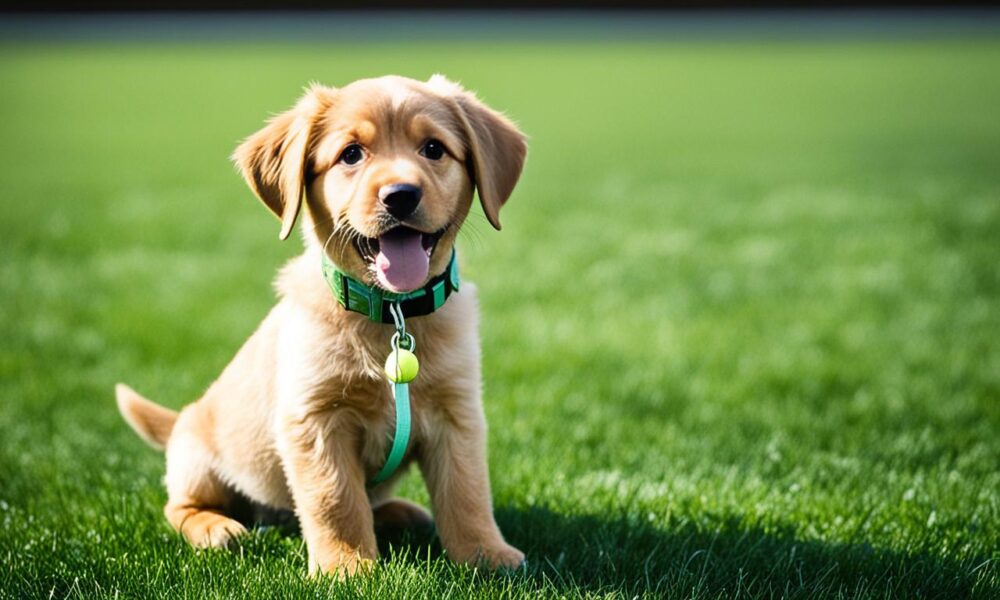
point(400, 199)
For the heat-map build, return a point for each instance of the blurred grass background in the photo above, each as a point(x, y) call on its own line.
point(740, 329)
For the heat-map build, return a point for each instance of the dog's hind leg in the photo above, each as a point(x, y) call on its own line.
point(397, 513)
point(390, 512)
point(198, 499)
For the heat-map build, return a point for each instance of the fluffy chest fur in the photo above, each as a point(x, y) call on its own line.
point(331, 363)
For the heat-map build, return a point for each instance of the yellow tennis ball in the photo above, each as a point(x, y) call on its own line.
point(407, 369)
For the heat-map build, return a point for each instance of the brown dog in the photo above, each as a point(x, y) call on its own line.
point(303, 416)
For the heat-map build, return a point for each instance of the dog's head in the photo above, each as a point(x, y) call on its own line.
point(388, 167)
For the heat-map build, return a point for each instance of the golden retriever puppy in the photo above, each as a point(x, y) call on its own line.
point(383, 173)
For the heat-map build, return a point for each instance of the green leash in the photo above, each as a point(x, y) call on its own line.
point(401, 366)
point(401, 439)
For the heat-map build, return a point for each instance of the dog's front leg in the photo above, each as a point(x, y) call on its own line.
point(321, 461)
point(454, 466)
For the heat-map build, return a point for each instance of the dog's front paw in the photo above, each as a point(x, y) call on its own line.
point(504, 556)
point(495, 556)
point(344, 567)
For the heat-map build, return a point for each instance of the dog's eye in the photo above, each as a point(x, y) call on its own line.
point(433, 150)
point(352, 155)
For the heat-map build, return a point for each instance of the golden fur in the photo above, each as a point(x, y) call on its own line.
point(301, 417)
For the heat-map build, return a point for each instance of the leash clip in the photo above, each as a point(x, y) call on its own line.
point(400, 339)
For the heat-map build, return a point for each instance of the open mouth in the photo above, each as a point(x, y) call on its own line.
point(399, 257)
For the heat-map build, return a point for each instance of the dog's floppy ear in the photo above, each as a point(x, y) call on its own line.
point(273, 160)
point(496, 146)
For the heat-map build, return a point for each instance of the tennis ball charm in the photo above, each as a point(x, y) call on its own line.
point(405, 370)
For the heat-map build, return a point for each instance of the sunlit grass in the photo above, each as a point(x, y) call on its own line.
point(740, 329)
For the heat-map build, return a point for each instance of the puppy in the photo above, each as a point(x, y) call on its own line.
point(383, 173)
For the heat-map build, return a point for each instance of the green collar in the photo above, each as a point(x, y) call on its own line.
point(373, 301)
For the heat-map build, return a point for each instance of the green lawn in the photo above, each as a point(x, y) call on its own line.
point(741, 329)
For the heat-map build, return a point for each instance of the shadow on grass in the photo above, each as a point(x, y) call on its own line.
point(570, 553)
point(633, 558)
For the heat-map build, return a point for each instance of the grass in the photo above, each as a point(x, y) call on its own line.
point(740, 330)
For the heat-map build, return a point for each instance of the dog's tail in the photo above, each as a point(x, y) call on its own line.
point(151, 421)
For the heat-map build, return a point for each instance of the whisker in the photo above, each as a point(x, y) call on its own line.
point(471, 232)
point(328, 240)
point(318, 224)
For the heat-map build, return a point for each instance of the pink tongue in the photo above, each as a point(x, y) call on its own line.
point(402, 262)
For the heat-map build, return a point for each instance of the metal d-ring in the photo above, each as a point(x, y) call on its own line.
point(406, 343)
